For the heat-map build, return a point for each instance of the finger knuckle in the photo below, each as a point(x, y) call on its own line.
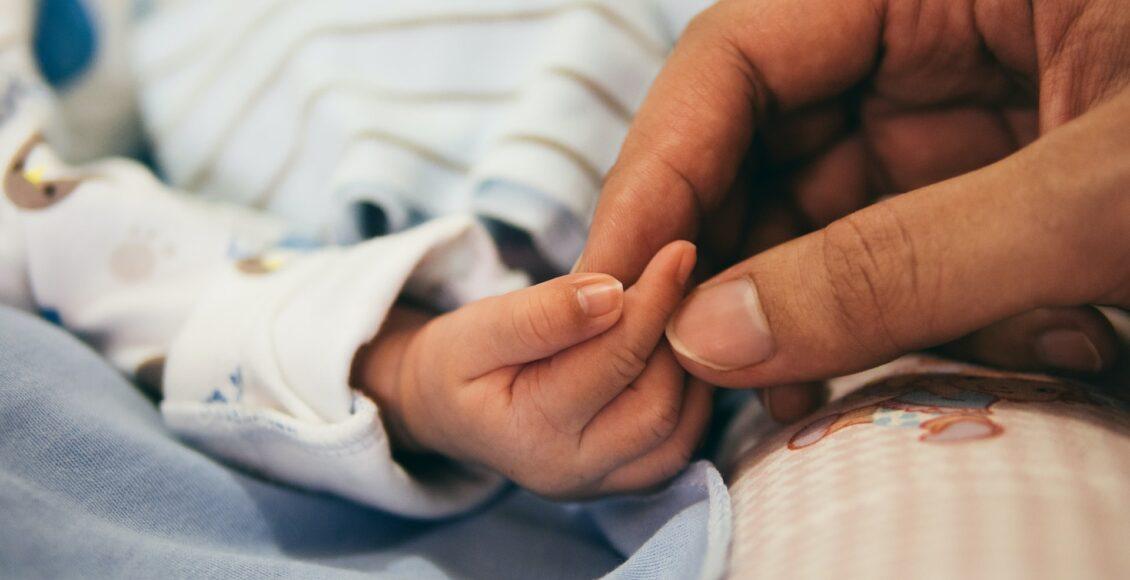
point(532, 387)
point(533, 324)
point(660, 420)
point(873, 270)
point(626, 363)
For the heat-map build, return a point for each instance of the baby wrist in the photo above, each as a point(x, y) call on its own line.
point(382, 371)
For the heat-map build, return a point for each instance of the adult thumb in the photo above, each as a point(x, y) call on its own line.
point(1044, 227)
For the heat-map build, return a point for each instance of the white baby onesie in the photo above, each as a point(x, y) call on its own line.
point(258, 328)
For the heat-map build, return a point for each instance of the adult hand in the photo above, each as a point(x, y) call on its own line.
point(854, 101)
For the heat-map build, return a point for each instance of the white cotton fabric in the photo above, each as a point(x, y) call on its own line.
point(259, 374)
point(507, 109)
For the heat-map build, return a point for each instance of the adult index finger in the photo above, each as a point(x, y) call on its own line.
point(736, 61)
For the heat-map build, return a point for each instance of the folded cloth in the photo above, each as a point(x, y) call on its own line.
point(510, 109)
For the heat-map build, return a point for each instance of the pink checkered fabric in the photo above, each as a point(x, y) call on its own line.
point(1030, 479)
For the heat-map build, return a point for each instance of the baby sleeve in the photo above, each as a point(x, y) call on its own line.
point(259, 374)
point(253, 331)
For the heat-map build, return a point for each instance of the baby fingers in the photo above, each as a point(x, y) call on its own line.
point(533, 323)
point(641, 418)
point(672, 455)
point(571, 387)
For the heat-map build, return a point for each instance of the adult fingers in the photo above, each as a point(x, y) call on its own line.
point(735, 61)
point(1040, 228)
point(787, 403)
point(1076, 340)
point(835, 183)
point(914, 148)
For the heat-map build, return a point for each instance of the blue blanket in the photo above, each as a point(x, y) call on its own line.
point(92, 485)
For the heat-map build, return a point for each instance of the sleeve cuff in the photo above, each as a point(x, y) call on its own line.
point(260, 374)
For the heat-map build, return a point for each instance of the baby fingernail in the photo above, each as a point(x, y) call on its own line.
point(723, 327)
point(1069, 350)
point(601, 296)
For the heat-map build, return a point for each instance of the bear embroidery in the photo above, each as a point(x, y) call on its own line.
point(946, 408)
point(26, 186)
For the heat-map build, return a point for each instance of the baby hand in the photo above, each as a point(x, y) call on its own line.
point(565, 388)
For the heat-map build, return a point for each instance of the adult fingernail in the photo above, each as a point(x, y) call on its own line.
point(1069, 350)
point(600, 296)
point(722, 327)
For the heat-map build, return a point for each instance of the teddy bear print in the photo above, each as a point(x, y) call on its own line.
point(25, 183)
point(946, 408)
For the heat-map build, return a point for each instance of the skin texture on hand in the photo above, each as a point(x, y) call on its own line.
point(568, 388)
point(774, 118)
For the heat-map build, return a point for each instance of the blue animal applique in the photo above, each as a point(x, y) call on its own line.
point(66, 42)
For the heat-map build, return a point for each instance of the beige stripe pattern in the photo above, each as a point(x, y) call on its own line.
point(580, 160)
point(375, 93)
point(179, 113)
point(429, 154)
point(184, 56)
point(384, 94)
point(598, 91)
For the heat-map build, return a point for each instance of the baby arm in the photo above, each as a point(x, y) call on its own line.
point(565, 388)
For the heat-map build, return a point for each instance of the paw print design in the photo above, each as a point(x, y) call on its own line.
point(945, 408)
point(232, 393)
point(26, 183)
point(137, 257)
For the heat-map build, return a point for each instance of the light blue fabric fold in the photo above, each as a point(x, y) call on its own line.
point(680, 532)
point(93, 486)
